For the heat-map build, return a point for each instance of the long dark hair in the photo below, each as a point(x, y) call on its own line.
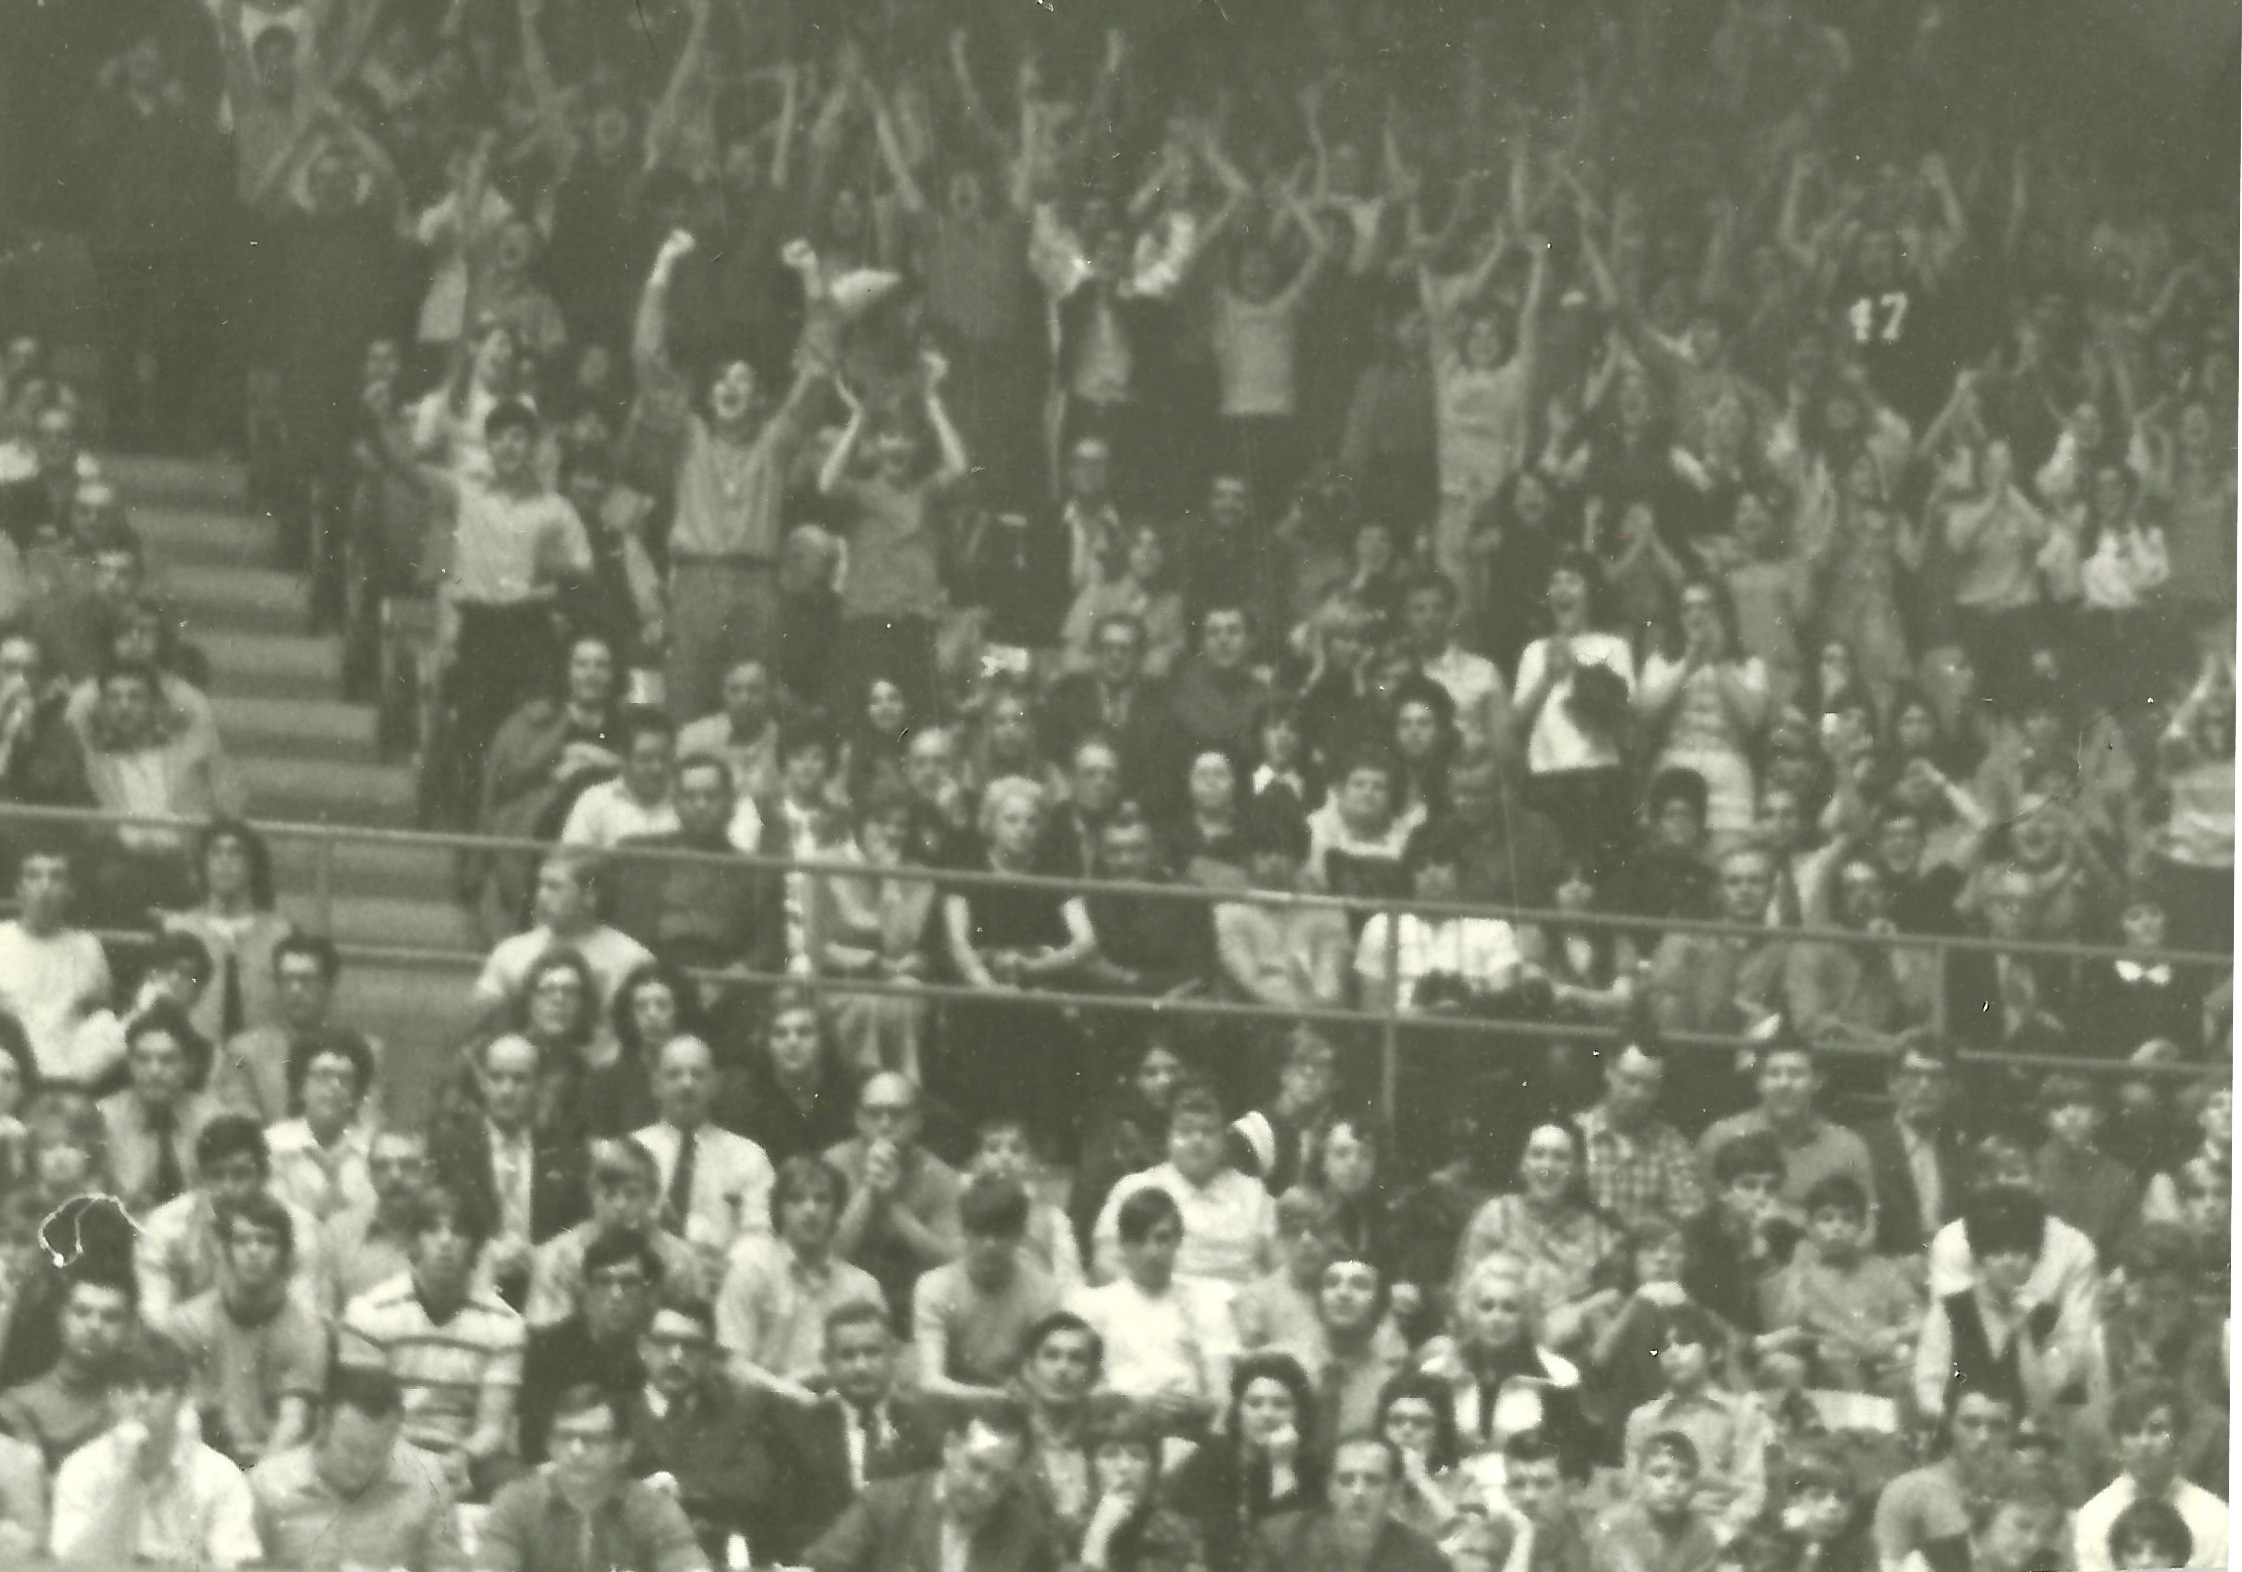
point(254, 850)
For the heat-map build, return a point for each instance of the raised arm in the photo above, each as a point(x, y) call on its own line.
point(898, 164)
point(975, 107)
point(955, 465)
point(789, 118)
point(1945, 242)
point(650, 333)
point(836, 466)
point(1319, 250)
point(668, 119)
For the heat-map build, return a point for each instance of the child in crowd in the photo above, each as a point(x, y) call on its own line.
point(1861, 1309)
point(1727, 1434)
point(1664, 1527)
point(1001, 1148)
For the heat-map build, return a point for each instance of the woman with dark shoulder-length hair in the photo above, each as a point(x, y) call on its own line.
point(237, 925)
point(1262, 1461)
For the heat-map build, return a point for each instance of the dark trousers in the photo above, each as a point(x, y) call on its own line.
point(149, 314)
point(506, 656)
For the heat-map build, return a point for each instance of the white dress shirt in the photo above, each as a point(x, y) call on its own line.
point(731, 1182)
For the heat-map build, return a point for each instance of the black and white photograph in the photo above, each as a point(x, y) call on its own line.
point(1117, 785)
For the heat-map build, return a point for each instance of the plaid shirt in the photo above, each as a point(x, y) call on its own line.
point(1633, 1175)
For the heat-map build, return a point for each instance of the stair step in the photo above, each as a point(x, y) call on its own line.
point(268, 725)
point(421, 1015)
point(403, 921)
point(276, 665)
point(234, 597)
point(367, 868)
point(220, 536)
point(151, 480)
point(314, 789)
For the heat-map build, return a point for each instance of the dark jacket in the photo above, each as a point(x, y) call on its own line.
point(697, 913)
point(1151, 765)
point(1899, 1227)
point(819, 1491)
point(565, 1355)
point(722, 1448)
point(1308, 1542)
point(459, 1156)
point(896, 1526)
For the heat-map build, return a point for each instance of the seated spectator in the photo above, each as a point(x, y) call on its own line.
point(371, 1243)
point(1278, 1308)
point(2151, 1534)
point(2065, 1272)
point(1930, 1505)
point(1278, 1143)
point(1548, 1228)
point(970, 1317)
point(454, 1350)
point(1788, 1078)
point(237, 926)
point(2148, 1421)
point(1726, 983)
point(599, 1342)
point(544, 1519)
point(72, 1401)
point(972, 1500)
point(523, 1179)
point(901, 1218)
point(145, 1489)
point(53, 975)
point(1736, 1244)
point(1002, 1151)
point(792, 1096)
point(870, 1429)
point(1862, 1309)
point(778, 1289)
point(2017, 1526)
point(567, 919)
point(1261, 1463)
point(625, 1186)
point(1998, 1333)
point(1356, 839)
point(1440, 962)
point(715, 1184)
point(1725, 1433)
point(745, 735)
point(2158, 1329)
point(1917, 1152)
point(1229, 1222)
point(1279, 952)
point(1354, 1348)
point(1206, 840)
point(155, 1123)
point(259, 1356)
point(1356, 1522)
point(319, 1160)
point(1141, 591)
point(1668, 872)
point(588, 1083)
point(251, 1072)
point(875, 926)
point(698, 913)
point(357, 1494)
point(1637, 1164)
point(1123, 1524)
point(181, 1247)
point(636, 802)
point(2082, 1184)
point(143, 765)
point(1667, 1520)
point(1505, 1382)
point(1145, 945)
point(719, 1443)
point(1822, 1518)
point(541, 757)
point(1848, 992)
point(1167, 1339)
point(42, 757)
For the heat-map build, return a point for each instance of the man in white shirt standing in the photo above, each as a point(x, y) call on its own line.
point(1229, 1222)
point(716, 1185)
point(147, 1489)
point(2147, 1421)
point(52, 975)
point(636, 802)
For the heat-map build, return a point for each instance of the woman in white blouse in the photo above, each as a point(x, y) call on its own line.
point(1705, 707)
point(1571, 728)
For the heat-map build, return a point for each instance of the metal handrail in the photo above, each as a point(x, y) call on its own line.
point(967, 878)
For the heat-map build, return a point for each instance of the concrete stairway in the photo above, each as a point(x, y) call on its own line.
point(308, 757)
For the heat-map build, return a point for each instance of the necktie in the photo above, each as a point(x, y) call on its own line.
point(169, 1179)
point(230, 1011)
point(680, 1203)
point(867, 1427)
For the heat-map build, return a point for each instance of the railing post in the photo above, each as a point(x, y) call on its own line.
point(1938, 991)
point(323, 879)
point(1389, 1054)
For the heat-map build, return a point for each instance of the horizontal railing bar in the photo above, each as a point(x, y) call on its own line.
point(1238, 1010)
point(980, 879)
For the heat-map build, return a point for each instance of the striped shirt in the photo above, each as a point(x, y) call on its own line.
point(445, 1370)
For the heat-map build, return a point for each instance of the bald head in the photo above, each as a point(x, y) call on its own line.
point(888, 1109)
point(685, 1082)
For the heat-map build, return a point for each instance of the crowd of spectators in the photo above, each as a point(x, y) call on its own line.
point(919, 536)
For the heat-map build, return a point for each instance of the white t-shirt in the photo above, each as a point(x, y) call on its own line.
point(2203, 1512)
point(607, 815)
point(1177, 1341)
point(1483, 951)
point(1557, 742)
point(610, 954)
point(51, 985)
point(1254, 354)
